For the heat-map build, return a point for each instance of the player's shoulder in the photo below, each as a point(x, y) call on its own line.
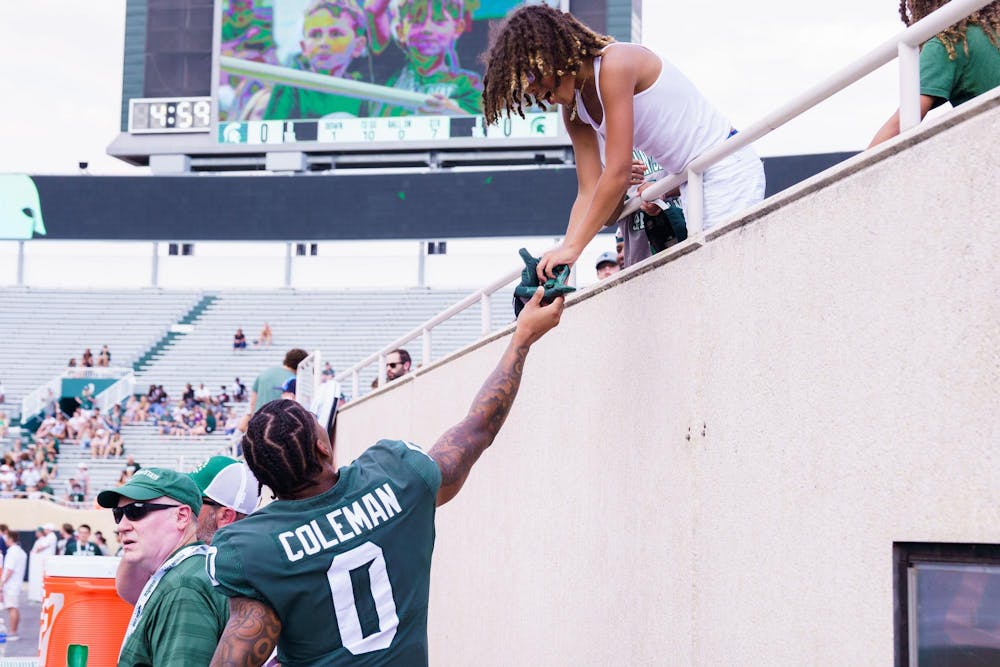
point(391, 456)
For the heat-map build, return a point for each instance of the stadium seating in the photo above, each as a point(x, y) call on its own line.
point(41, 329)
point(345, 326)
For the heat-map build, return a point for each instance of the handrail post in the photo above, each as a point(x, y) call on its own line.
point(909, 86)
point(355, 384)
point(426, 358)
point(694, 206)
point(485, 314)
point(381, 369)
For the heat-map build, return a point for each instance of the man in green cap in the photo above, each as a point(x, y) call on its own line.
point(178, 617)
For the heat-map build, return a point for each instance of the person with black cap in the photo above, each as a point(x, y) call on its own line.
point(178, 617)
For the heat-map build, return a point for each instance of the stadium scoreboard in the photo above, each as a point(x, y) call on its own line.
point(153, 116)
point(251, 77)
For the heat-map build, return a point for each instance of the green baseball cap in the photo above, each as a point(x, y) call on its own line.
point(150, 483)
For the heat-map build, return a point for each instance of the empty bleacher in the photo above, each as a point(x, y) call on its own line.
point(345, 326)
point(42, 329)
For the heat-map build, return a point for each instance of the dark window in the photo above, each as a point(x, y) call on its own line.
point(947, 604)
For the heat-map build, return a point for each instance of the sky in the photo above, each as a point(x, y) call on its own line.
point(61, 68)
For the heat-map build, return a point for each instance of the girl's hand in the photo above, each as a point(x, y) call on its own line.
point(561, 254)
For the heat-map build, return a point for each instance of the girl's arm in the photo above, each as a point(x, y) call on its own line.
point(619, 73)
point(891, 127)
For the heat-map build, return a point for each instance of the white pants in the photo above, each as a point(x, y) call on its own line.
point(731, 187)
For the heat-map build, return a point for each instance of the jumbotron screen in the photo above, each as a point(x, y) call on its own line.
point(360, 71)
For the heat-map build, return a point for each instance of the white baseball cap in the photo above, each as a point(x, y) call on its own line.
point(228, 482)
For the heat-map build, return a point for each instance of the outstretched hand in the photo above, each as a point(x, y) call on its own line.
point(537, 319)
point(561, 254)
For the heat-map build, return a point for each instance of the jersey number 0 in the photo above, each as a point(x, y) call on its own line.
point(342, 589)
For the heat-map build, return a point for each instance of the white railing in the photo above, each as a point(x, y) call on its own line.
point(116, 393)
point(34, 402)
point(481, 296)
point(905, 46)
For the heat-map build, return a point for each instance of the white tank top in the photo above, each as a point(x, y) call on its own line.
point(673, 122)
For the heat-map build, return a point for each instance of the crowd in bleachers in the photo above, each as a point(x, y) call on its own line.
point(26, 473)
point(197, 412)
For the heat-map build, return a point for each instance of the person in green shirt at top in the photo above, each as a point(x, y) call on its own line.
point(333, 35)
point(957, 64)
point(426, 31)
point(268, 385)
point(178, 616)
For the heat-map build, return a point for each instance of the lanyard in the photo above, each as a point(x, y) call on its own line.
point(147, 590)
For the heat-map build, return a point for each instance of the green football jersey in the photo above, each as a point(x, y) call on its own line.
point(347, 571)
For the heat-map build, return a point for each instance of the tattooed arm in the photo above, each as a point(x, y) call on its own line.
point(250, 635)
point(463, 443)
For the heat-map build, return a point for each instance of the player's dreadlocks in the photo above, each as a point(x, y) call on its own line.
point(534, 42)
point(987, 18)
point(280, 447)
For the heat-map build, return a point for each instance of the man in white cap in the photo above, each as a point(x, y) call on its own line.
point(229, 492)
point(606, 265)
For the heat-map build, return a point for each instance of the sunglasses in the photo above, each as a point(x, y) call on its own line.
point(137, 511)
point(393, 364)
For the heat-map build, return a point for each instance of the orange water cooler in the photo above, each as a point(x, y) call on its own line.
point(81, 607)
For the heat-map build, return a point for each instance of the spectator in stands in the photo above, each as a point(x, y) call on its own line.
point(600, 83)
point(607, 265)
point(239, 391)
point(397, 364)
point(66, 533)
point(104, 357)
point(4, 424)
point(83, 476)
point(116, 446)
point(51, 404)
point(88, 358)
point(75, 494)
point(267, 386)
point(328, 372)
point(3, 392)
point(86, 398)
point(222, 398)
point(266, 336)
point(31, 478)
point(202, 396)
point(81, 545)
point(131, 465)
point(8, 481)
point(239, 340)
point(957, 64)
point(72, 369)
point(60, 430)
point(188, 395)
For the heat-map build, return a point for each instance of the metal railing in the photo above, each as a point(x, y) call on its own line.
point(34, 402)
point(116, 393)
point(905, 46)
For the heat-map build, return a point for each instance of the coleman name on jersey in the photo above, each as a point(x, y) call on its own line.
point(342, 524)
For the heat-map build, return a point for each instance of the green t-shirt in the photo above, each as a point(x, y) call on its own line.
point(268, 384)
point(463, 87)
point(289, 102)
point(347, 571)
point(182, 621)
point(965, 77)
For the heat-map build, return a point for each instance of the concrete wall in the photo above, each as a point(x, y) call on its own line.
point(23, 514)
point(710, 461)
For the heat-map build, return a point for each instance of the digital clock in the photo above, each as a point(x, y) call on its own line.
point(187, 114)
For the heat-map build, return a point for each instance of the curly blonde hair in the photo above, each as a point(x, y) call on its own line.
point(987, 18)
point(533, 42)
